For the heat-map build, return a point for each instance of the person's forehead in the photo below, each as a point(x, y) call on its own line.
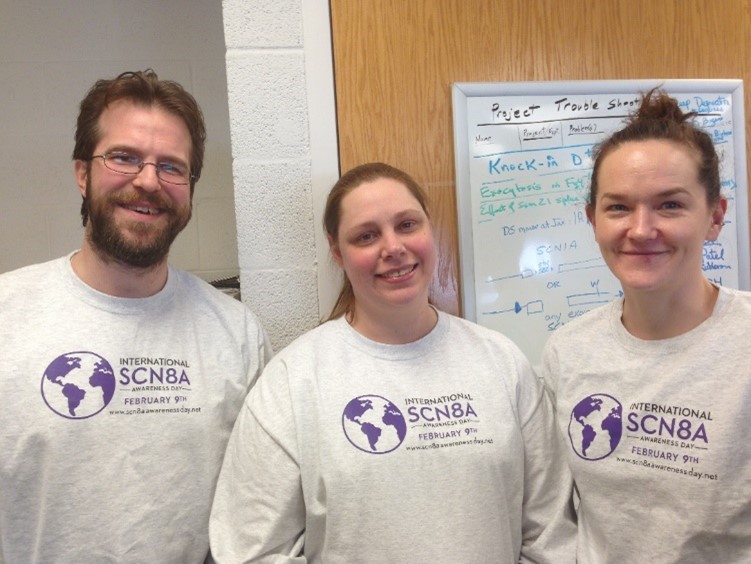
point(384, 197)
point(124, 121)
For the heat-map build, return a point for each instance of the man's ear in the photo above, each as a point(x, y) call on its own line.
point(81, 172)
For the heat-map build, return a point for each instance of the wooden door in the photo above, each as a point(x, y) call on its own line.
point(395, 61)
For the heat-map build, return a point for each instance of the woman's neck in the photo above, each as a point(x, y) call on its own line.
point(396, 327)
point(654, 315)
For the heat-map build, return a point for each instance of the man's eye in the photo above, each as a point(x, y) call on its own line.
point(172, 169)
point(124, 158)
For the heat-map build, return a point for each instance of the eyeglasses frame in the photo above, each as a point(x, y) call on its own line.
point(141, 166)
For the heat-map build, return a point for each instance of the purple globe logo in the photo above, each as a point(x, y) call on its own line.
point(78, 385)
point(596, 426)
point(373, 424)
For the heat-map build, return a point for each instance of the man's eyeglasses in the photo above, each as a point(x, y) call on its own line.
point(125, 163)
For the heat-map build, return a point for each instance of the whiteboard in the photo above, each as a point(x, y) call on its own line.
point(528, 258)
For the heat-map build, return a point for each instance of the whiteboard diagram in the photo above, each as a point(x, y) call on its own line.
point(523, 151)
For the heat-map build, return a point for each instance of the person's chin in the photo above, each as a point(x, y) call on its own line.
point(406, 295)
point(644, 282)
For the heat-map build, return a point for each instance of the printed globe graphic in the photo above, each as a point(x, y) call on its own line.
point(78, 385)
point(596, 426)
point(374, 424)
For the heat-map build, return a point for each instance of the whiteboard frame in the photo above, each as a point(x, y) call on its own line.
point(460, 91)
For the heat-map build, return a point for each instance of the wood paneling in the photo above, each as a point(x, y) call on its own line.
point(395, 61)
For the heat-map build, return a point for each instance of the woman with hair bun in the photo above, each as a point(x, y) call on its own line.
point(653, 391)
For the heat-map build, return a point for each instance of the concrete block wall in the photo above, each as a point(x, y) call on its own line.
point(51, 52)
point(276, 191)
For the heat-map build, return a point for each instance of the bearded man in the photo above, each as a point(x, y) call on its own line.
point(120, 375)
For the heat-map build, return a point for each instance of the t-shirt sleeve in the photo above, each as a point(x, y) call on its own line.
point(549, 369)
point(260, 349)
point(258, 513)
point(548, 517)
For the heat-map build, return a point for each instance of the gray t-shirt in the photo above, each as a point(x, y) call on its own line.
point(115, 415)
point(441, 450)
point(656, 435)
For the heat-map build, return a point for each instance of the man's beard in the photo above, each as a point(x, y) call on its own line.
point(147, 248)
